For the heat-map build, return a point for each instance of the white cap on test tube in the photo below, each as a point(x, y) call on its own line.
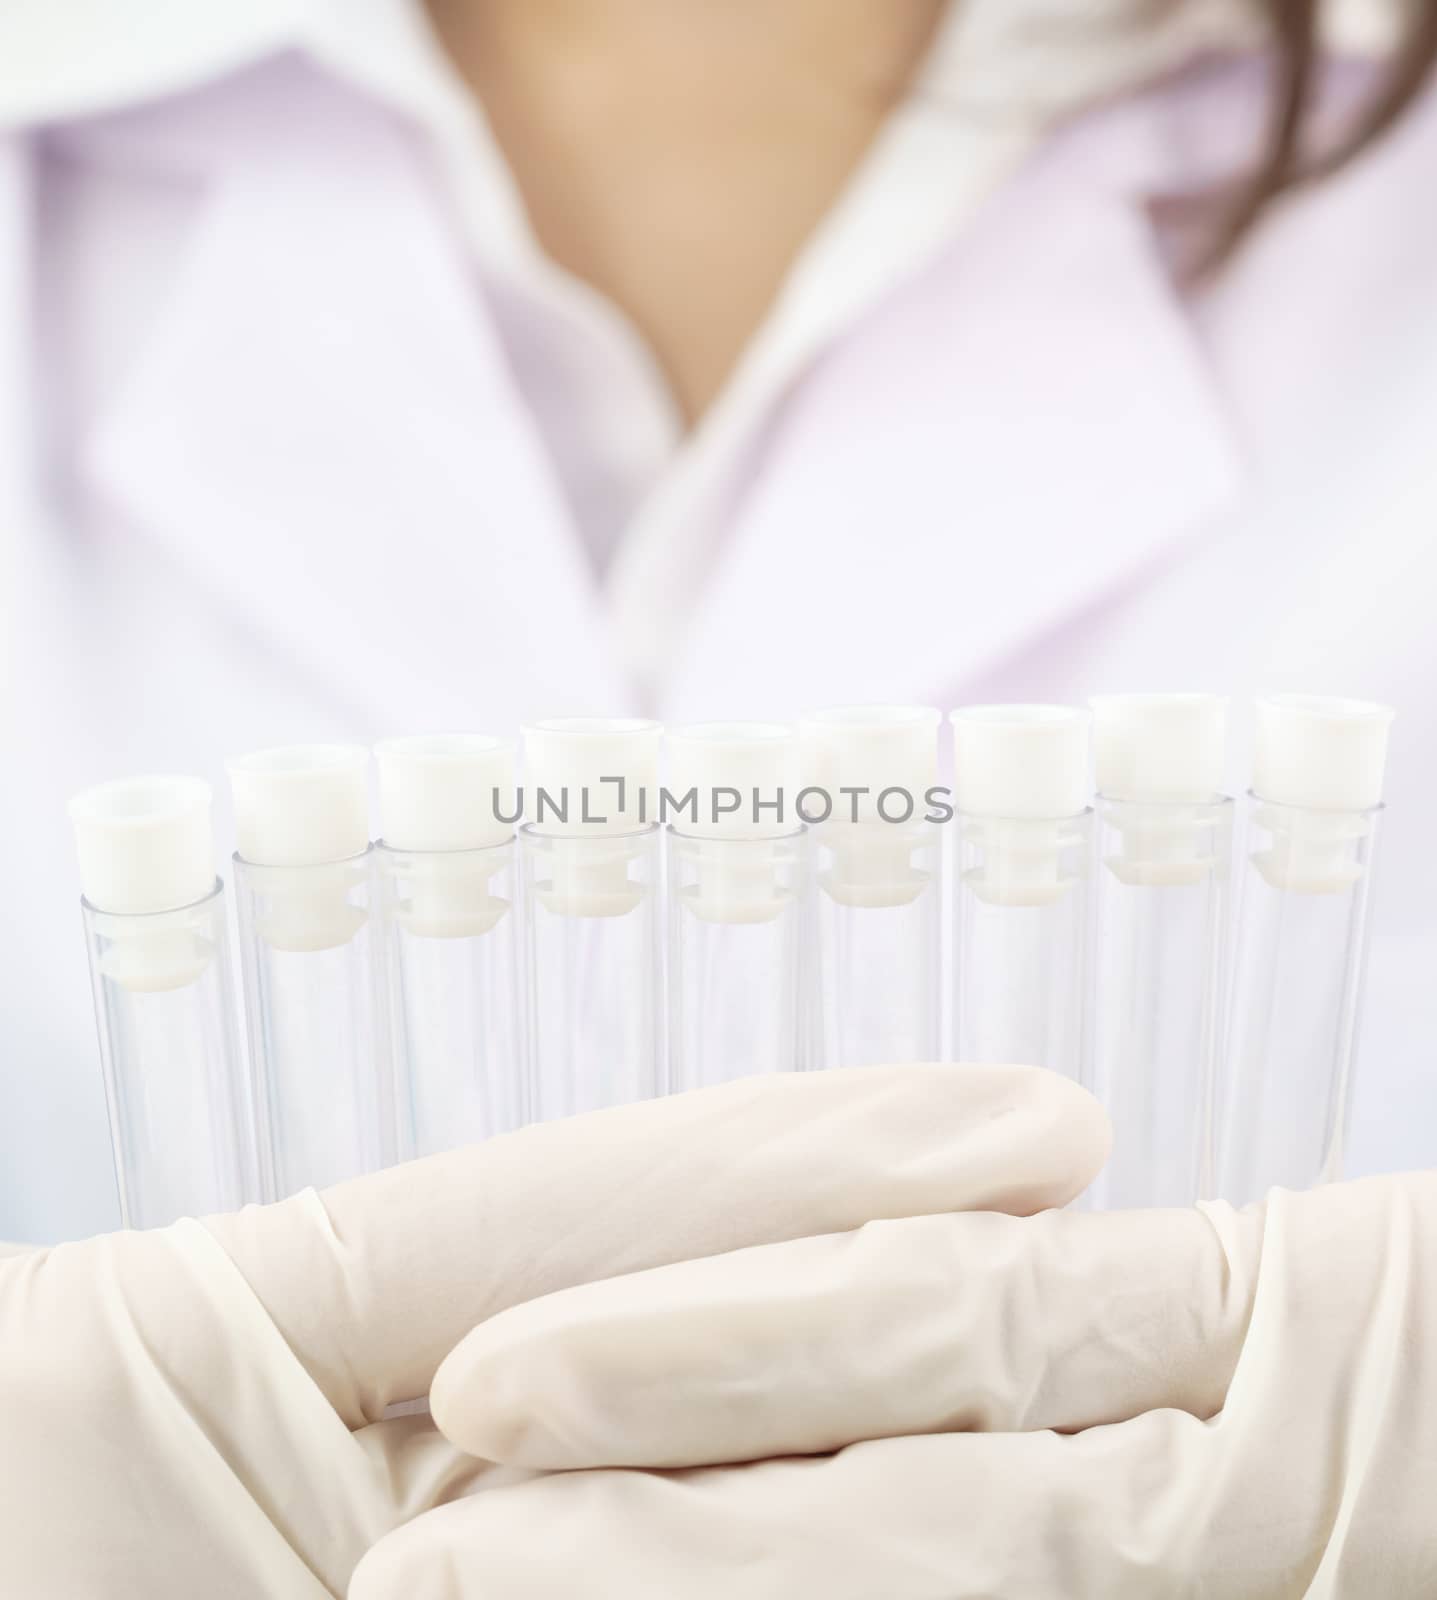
point(1161, 762)
point(1320, 752)
point(886, 756)
point(1028, 761)
point(1318, 765)
point(744, 780)
point(1160, 749)
point(301, 805)
point(591, 791)
point(443, 792)
point(443, 801)
point(586, 777)
point(870, 748)
point(301, 822)
point(144, 844)
point(146, 847)
point(1020, 778)
point(744, 776)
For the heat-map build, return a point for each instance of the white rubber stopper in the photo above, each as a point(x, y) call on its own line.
point(744, 780)
point(1160, 749)
point(873, 748)
point(1028, 761)
point(730, 766)
point(446, 792)
point(1318, 767)
point(301, 823)
point(144, 844)
point(146, 852)
point(1024, 861)
point(302, 910)
point(599, 776)
point(301, 805)
point(1310, 852)
point(588, 783)
point(590, 877)
point(736, 880)
point(1161, 762)
point(1021, 781)
point(1320, 752)
point(447, 894)
point(891, 754)
point(443, 801)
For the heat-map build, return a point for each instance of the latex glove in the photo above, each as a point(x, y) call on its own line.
point(1270, 1377)
point(195, 1411)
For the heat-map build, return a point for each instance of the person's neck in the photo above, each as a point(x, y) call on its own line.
point(676, 154)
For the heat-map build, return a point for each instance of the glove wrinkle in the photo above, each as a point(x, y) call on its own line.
point(1248, 1399)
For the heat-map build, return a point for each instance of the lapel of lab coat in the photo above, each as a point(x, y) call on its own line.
point(1028, 429)
point(324, 431)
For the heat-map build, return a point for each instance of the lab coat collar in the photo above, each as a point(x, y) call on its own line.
point(1037, 63)
point(1062, 439)
point(1065, 437)
point(66, 59)
point(324, 431)
point(69, 59)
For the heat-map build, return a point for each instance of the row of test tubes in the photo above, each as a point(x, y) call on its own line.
point(649, 912)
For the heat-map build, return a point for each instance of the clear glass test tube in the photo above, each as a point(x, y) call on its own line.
point(877, 923)
point(448, 879)
point(1161, 920)
point(310, 950)
point(1022, 883)
point(156, 933)
point(591, 865)
point(878, 932)
point(738, 884)
point(1312, 829)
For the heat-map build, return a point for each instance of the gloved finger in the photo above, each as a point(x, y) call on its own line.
point(374, 1281)
point(1107, 1514)
point(930, 1324)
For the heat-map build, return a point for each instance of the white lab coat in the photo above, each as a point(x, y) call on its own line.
point(316, 507)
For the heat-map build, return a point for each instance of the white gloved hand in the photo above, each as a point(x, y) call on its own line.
point(197, 1411)
point(1268, 1381)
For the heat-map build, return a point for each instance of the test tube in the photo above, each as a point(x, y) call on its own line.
point(590, 872)
point(1312, 827)
point(1025, 841)
point(447, 883)
point(868, 773)
point(1162, 892)
point(309, 948)
point(156, 931)
point(737, 896)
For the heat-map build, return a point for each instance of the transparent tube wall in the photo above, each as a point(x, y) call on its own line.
point(1299, 955)
point(593, 978)
point(1022, 888)
point(309, 947)
point(878, 928)
point(1162, 892)
point(179, 1114)
point(736, 954)
point(450, 935)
